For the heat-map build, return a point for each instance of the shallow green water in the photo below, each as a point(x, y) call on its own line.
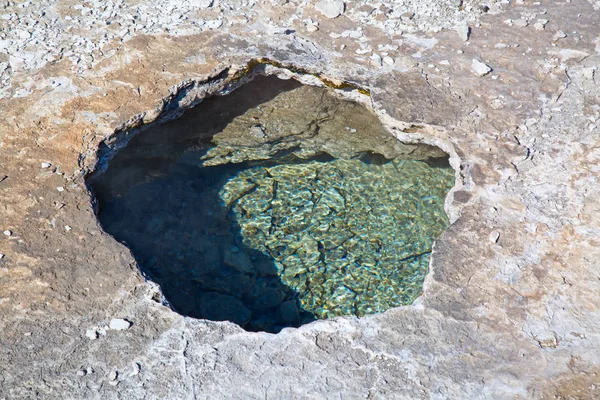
point(351, 238)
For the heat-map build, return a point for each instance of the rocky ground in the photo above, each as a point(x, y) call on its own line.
point(510, 89)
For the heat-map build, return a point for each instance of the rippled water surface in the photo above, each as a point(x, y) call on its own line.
point(269, 238)
point(350, 237)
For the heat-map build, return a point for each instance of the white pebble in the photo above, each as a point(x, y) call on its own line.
point(68, 228)
point(376, 59)
point(331, 8)
point(46, 165)
point(113, 378)
point(201, 3)
point(91, 334)
point(521, 22)
point(480, 68)
point(1, 256)
point(119, 324)
point(60, 189)
point(494, 236)
point(559, 35)
point(136, 369)
point(8, 233)
point(540, 25)
point(213, 24)
point(463, 31)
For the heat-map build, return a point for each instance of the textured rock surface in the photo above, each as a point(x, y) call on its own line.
point(315, 122)
point(511, 318)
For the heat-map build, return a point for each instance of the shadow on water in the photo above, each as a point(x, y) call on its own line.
point(167, 210)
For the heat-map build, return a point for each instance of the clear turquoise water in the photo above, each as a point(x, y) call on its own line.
point(351, 238)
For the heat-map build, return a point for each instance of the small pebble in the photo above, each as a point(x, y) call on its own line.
point(8, 233)
point(136, 369)
point(68, 228)
point(540, 25)
point(91, 334)
point(521, 22)
point(119, 324)
point(463, 31)
point(46, 165)
point(331, 8)
point(312, 28)
point(480, 68)
point(1, 256)
point(113, 378)
point(494, 236)
point(559, 35)
point(60, 189)
point(201, 3)
point(376, 60)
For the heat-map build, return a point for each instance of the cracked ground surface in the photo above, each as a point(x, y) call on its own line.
point(510, 307)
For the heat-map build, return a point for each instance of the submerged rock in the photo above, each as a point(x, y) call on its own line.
point(238, 260)
point(306, 122)
point(221, 307)
point(288, 312)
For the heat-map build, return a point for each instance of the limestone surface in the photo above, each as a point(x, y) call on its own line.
point(510, 307)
